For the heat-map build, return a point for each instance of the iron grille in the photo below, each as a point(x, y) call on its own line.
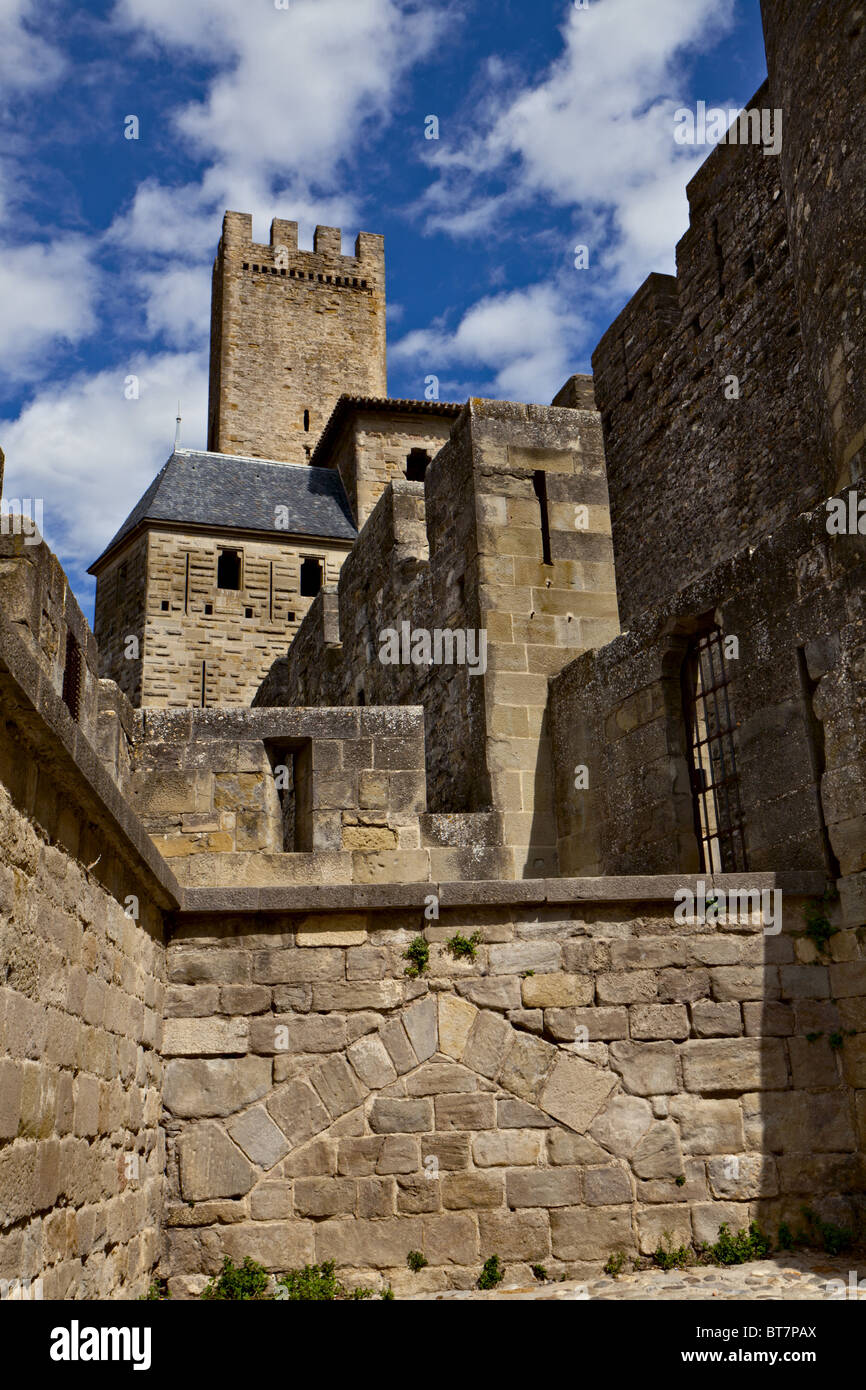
point(707, 699)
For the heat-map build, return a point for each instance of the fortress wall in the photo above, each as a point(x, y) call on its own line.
point(235, 650)
point(321, 1105)
point(695, 475)
point(120, 612)
point(465, 551)
point(82, 900)
point(619, 713)
point(275, 796)
point(816, 54)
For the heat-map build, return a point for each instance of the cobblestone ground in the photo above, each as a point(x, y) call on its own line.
point(790, 1277)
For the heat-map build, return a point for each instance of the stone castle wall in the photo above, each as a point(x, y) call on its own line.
point(320, 1105)
point(236, 649)
point(693, 475)
point(816, 53)
point(290, 335)
point(465, 550)
point(82, 900)
point(795, 605)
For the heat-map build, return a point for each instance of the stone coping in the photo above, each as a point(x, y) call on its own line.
point(487, 892)
point(31, 702)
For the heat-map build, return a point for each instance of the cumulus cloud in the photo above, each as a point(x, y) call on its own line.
point(90, 453)
point(27, 59)
point(521, 343)
point(47, 292)
point(595, 133)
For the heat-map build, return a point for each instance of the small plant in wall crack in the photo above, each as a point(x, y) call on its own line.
point(492, 1274)
point(462, 947)
point(819, 928)
point(418, 955)
point(415, 1260)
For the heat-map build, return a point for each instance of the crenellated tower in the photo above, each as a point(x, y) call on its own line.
point(291, 331)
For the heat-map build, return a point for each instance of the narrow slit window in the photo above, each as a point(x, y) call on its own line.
point(539, 482)
point(229, 569)
point(708, 708)
point(306, 420)
point(311, 576)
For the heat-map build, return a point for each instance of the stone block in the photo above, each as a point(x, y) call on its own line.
point(708, 1126)
point(357, 994)
point(710, 1020)
point(518, 1114)
point(400, 1154)
point(606, 1186)
point(735, 1064)
point(398, 1116)
point(652, 1022)
point(338, 1086)
point(658, 1154)
point(526, 1065)
point(510, 1148)
point(398, 1046)
point(261, 1140)
point(631, 987)
point(210, 1165)
point(440, 1078)
point(319, 1197)
point(450, 1238)
point(376, 1244)
point(663, 1226)
point(372, 1062)
point(466, 1112)
point(421, 1022)
point(487, 1044)
point(582, 1233)
point(515, 1235)
point(192, 1037)
point(622, 1124)
point(456, 1017)
point(472, 1190)
point(575, 1091)
point(298, 1111)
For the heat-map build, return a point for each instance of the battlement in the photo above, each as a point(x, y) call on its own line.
point(283, 253)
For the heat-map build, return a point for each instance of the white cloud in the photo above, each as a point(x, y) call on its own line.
point(47, 292)
point(27, 60)
point(595, 133)
point(521, 343)
point(90, 453)
point(178, 304)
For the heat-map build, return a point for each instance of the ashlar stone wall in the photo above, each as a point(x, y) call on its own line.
point(321, 1105)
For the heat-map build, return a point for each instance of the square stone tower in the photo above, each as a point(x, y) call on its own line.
point(291, 331)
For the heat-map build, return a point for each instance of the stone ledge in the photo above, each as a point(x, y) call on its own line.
point(486, 892)
point(30, 701)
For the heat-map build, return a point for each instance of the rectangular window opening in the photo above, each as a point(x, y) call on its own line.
point(707, 704)
point(229, 569)
point(311, 576)
point(73, 674)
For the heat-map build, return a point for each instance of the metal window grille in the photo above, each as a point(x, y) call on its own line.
point(72, 677)
point(707, 698)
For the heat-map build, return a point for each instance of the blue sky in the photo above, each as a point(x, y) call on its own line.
point(555, 128)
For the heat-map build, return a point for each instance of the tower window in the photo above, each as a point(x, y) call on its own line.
point(290, 617)
point(306, 419)
point(311, 576)
point(72, 677)
point(165, 605)
point(711, 730)
point(229, 569)
point(208, 609)
point(416, 465)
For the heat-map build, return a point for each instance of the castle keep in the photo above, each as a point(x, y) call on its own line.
point(224, 819)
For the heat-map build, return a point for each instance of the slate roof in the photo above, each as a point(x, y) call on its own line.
point(230, 493)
